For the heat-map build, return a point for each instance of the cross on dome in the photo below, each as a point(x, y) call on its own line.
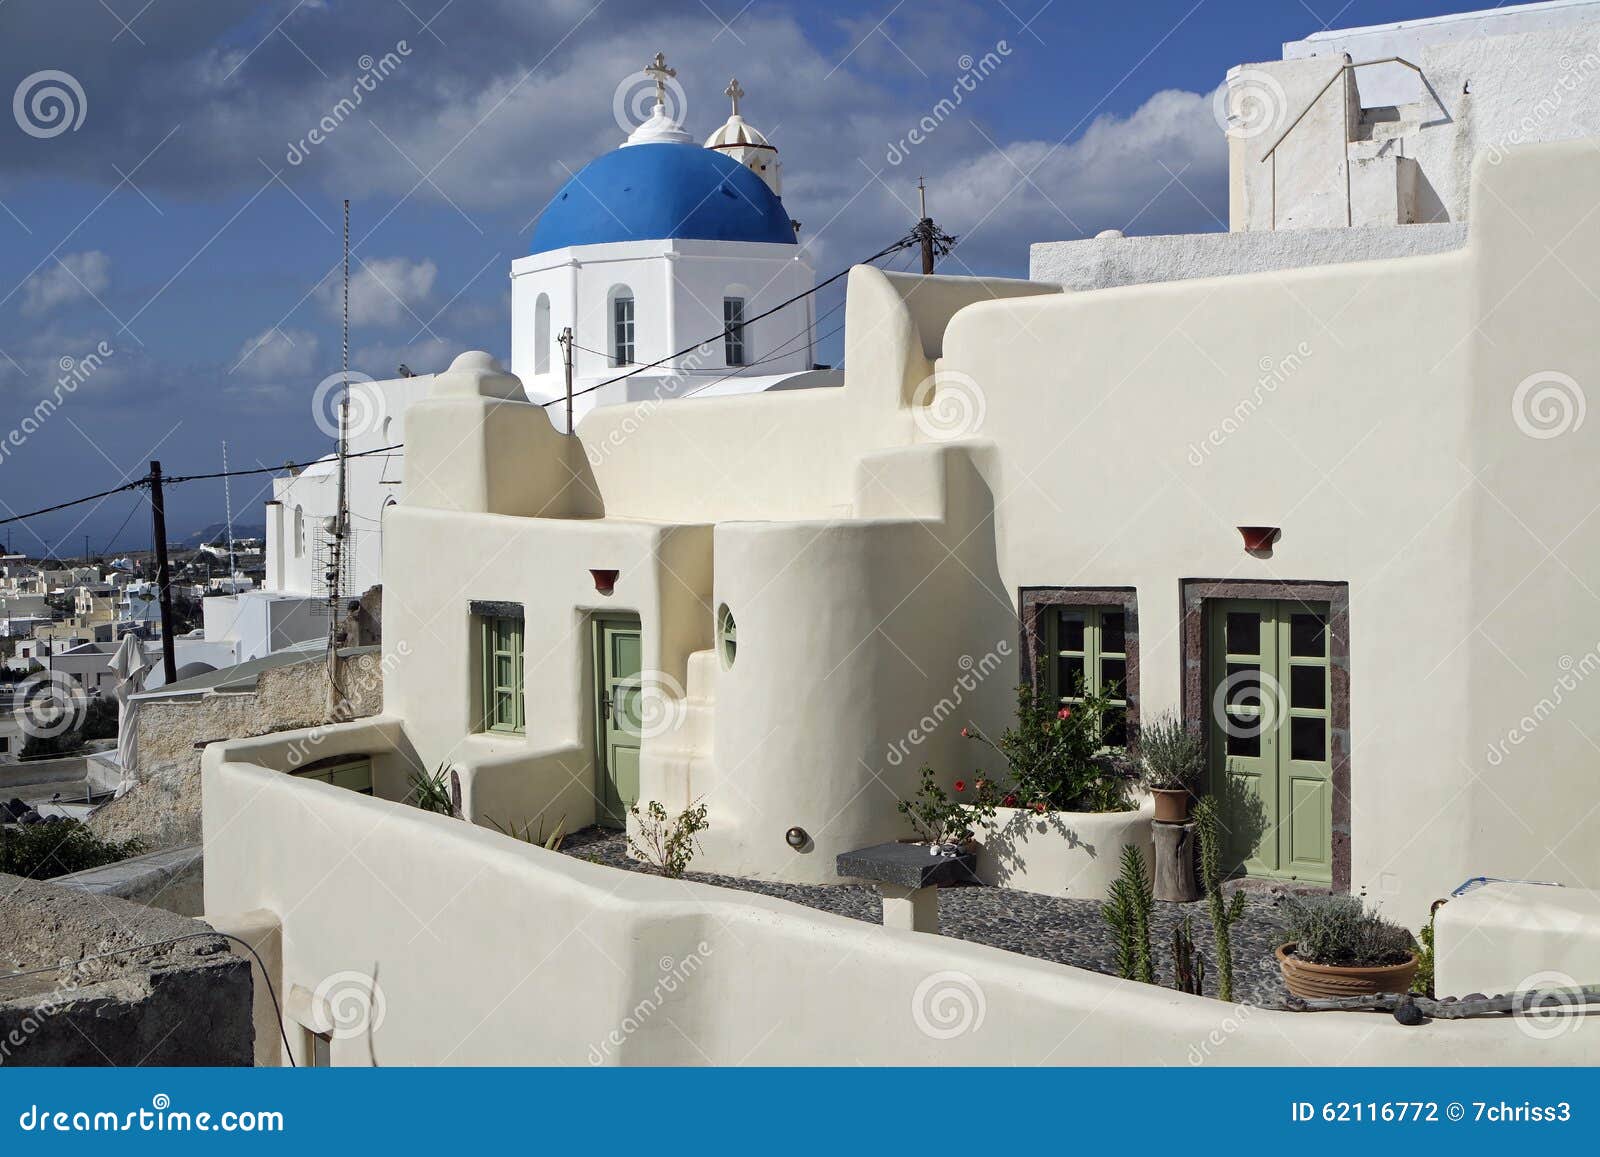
point(733, 92)
point(662, 127)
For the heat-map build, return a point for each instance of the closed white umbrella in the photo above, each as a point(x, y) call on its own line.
point(129, 664)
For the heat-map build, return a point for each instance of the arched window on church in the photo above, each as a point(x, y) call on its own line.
point(622, 326)
point(541, 334)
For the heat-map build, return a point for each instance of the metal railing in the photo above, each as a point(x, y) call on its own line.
point(1272, 153)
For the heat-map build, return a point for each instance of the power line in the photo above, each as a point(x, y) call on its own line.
point(903, 243)
point(173, 480)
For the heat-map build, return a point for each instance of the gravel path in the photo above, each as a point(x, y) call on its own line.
point(1066, 931)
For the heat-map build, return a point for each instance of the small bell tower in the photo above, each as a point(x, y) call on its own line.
point(745, 143)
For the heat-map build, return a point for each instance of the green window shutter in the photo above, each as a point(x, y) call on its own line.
point(503, 707)
point(1087, 648)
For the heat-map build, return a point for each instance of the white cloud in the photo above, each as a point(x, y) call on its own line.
point(66, 279)
point(277, 355)
point(384, 291)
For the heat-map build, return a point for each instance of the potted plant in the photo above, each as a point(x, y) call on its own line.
point(1171, 761)
point(1338, 948)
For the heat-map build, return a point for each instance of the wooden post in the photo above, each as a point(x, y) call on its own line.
point(1174, 866)
point(158, 517)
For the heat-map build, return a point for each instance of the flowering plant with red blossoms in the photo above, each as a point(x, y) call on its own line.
point(1057, 757)
point(941, 818)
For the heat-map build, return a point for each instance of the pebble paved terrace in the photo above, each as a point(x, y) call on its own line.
point(1066, 931)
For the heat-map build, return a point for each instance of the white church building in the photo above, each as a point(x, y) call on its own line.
point(672, 262)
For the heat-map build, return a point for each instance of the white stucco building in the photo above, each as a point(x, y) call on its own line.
point(1365, 486)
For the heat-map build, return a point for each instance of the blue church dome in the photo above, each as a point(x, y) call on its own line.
point(651, 192)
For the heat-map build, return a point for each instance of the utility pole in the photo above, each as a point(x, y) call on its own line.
point(158, 517)
point(924, 227)
point(566, 357)
point(935, 241)
point(86, 548)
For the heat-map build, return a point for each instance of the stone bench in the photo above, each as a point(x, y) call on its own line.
point(908, 879)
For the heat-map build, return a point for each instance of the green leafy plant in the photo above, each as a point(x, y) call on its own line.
point(1341, 930)
point(1188, 966)
point(432, 792)
point(667, 844)
point(1056, 757)
point(1224, 914)
point(43, 851)
point(941, 819)
point(525, 832)
point(1127, 911)
point(1171, 756)
point(1422, 982)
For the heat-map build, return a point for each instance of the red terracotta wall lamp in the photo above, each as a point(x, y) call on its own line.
point(605, 581)
point(1259, 538)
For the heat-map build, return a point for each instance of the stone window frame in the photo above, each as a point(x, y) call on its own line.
point(1035, 602)
point(1195, 593)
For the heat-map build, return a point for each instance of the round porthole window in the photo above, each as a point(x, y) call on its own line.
point(727, 635)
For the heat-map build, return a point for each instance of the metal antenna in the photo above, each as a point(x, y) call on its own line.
point(336, 562)
point(227, 509)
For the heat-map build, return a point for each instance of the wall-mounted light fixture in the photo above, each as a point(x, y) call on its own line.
point(796, 837)
point(1259, 539)
point(605, 581)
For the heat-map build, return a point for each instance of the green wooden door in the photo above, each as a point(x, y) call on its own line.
point(618, 661)
point(1269, 706)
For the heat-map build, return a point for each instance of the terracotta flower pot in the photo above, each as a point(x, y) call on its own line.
point(1330, 981)
point(1172, 805)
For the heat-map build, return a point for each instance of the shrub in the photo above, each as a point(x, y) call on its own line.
point(43, 851)
point(1056, 756)
point(1171, 756)
point(938, 818)
point(435, 793)
point(664, 843)
point(1340, 930)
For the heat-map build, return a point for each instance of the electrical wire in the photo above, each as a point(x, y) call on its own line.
point(174, 479)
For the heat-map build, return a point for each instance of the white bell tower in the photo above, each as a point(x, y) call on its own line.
point(745, 143)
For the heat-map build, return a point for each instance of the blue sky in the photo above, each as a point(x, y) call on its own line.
point(178, 224)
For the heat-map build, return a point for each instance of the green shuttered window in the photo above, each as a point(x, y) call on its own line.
point(502, 674)
point(1086, 647)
